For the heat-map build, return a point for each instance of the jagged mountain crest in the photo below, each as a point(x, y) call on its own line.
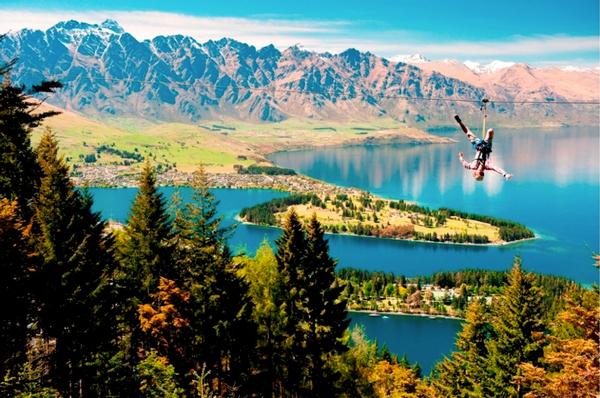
point(108, 71)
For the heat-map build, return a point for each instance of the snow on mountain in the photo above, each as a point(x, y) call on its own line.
point(410, 58)
point(491, 67)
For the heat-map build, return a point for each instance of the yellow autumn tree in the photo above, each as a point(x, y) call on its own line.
point(396, 381)
point(571, 363)
point(165, 323)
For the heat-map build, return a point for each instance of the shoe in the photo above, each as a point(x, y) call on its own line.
point(507, 176)
point(457, 119)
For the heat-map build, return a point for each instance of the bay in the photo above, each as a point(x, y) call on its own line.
point(422, 339)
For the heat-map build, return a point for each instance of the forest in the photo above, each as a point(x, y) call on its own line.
point(441, 293)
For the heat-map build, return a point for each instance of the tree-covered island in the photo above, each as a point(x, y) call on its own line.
point(365, 214)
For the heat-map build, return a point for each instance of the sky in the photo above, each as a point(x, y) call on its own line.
point(539, 32)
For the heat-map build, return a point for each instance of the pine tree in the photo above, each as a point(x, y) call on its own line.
point(324, 313)
point(519, 333)
point(74, 281)
point(462, 373)
point(14, 287)
point(146, 253)
point(290, 359)
point(220, 308)
point(19, 171)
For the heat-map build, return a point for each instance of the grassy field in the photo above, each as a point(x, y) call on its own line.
point(219, 145)
point(361, 213)
point(183, 146)
point(333, 217)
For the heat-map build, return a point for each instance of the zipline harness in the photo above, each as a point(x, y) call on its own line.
point(483, 108)
point(483, 147)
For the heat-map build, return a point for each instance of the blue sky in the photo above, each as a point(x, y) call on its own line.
point(535, 31)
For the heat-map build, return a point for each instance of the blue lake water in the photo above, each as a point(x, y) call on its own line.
point(422, 339)
point(554, 191)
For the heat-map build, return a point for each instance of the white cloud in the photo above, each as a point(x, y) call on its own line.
point(538, 45)
point(317, 35)
point(149, 24)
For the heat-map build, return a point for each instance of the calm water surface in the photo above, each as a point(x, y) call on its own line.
point(424, 340)
point(554, 191)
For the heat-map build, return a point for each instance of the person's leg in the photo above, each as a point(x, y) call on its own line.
point(465, 129)
point(470, 135)
point(489, 136)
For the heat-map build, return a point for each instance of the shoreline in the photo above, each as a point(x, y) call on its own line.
point(399, 140)
point(241, 221)
point(291, 184)
point(401, 313)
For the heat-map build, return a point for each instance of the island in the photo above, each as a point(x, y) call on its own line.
point(361, 213)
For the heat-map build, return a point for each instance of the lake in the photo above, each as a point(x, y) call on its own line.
point(423, 339)
point(554, 191)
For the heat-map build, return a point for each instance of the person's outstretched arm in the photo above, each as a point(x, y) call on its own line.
point(469, 166)
point(498, 170)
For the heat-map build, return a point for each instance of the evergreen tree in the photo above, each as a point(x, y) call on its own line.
point(461, 374)
point(219, 306)
point(146, 253)
point(324, 314)
point(290, 359)
point(14, 287)
point(519, 333)
point(74, 292)
point(157, 378)
point(19, 171)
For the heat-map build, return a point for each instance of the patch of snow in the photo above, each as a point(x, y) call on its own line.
point(410, 58)
point(491, 67)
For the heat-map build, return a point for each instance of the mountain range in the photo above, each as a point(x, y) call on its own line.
point(108, 72)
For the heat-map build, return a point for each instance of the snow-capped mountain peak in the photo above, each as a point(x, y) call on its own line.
point(112, 25)
point(491, 67)
point(411, 58)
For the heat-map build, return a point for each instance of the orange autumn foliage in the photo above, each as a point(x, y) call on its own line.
point(572, 366)
point(396, 381)
point(163, 319)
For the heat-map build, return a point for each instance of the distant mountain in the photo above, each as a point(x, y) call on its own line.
point(106, 71)
point(522, 82)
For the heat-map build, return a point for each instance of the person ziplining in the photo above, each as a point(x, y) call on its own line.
point(483, 150)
